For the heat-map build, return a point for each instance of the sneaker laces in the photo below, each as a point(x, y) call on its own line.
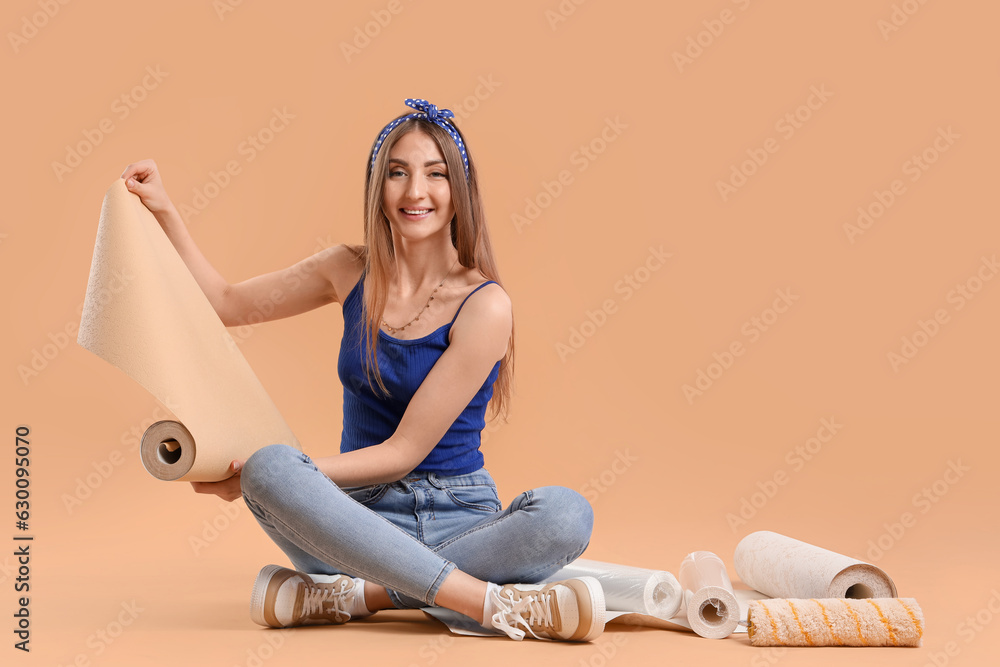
point(533, 609)
point(322, 600)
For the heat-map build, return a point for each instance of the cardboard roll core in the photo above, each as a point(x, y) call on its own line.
point(167, 450)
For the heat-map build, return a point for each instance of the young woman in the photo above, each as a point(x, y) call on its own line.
point(406, 516)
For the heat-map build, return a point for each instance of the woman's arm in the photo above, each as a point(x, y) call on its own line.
point(478, 340)
point(296, 289)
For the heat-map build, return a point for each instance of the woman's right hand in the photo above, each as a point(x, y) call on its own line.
point(228, 489)
point(143, 178)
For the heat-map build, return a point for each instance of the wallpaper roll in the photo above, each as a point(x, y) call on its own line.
point(629, 589)
point(145, 314)
point(709, 600)
point(836, 622)
point(782, 567)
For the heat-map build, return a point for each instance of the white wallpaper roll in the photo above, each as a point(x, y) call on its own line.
point(145, 314)
point(783, 567)
point(629, 589)
point(709, 600)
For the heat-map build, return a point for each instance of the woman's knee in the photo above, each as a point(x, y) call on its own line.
point(574, 517)
point(267, 464)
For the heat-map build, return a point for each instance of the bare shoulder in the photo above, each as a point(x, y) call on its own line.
point(487, 315)
point(485, 298)
point(493, 299)
point(342, 265)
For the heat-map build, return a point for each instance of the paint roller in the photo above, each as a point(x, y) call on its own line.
point(835, 622)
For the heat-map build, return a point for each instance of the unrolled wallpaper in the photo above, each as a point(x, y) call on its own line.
point(161, 330)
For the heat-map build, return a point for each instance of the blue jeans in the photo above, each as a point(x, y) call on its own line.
point(410, 534)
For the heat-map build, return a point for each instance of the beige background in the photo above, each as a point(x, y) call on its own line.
point(530, 92)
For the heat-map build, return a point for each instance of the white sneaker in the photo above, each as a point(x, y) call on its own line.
point(570, 610)
point(284, 598)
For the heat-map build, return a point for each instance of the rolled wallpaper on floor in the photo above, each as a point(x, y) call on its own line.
point(145, 313)
point(709, 600)
point(629, 589)
point(783, 567)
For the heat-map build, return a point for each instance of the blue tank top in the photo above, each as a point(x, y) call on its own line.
point(370, 417)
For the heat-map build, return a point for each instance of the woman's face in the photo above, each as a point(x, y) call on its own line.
point(417, 195)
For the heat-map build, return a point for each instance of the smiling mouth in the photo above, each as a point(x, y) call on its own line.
point(416, 211)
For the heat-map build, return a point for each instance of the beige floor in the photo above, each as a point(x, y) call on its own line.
point(135, 575)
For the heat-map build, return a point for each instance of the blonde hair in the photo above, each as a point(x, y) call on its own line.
point(469, 235)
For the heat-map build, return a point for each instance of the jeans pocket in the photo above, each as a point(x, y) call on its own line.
point(366, 495)
point(479, 497)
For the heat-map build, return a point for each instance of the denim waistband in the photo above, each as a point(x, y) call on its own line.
point(475, 478)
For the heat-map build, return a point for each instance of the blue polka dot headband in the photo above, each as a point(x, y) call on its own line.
point(430, 112)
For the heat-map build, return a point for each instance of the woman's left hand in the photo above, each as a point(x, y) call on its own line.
point(228, 489)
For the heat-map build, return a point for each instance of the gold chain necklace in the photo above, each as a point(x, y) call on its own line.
point(393, 330)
